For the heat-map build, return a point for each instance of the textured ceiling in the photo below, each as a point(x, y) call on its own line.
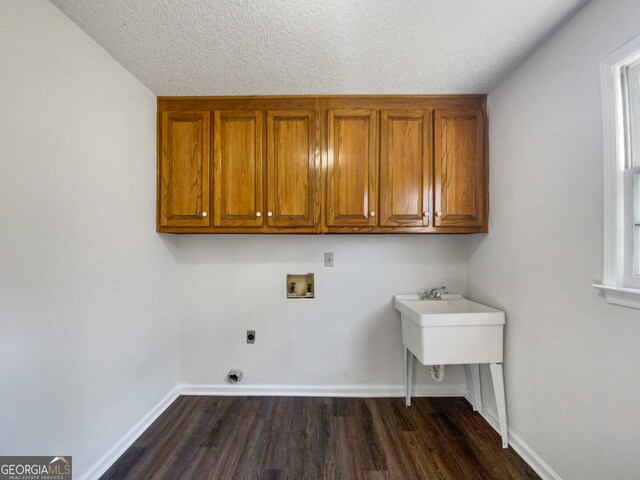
point(244, 47)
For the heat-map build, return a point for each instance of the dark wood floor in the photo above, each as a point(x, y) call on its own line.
point(309, 438)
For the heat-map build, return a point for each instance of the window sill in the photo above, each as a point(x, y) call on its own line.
point(627, 297)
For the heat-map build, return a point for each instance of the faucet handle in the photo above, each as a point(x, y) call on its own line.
point(437, 292)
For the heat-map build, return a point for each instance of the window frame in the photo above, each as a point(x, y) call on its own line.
point(618, 288)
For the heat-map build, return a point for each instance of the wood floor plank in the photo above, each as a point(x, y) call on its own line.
point(373, 457)
point(250, 438)
point(319, 435)
point(277, 454)
point(163, 438)
point(480, 439)
point(234, 448)
point(250, 464)
point(125, 463)
point(399, 464)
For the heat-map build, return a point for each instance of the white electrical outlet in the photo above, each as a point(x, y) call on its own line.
point(328, 259)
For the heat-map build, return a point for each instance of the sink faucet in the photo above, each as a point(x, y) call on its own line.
point(435, 293)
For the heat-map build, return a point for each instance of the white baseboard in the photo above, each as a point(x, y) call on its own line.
point(521, 448)
point(361, 391)
point(109, 458)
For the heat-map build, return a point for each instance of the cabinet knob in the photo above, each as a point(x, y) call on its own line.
point(372, 213)
point(204, 214)
point(269, 214)
point(438, 213)
point(258, 214)
point(425, 214)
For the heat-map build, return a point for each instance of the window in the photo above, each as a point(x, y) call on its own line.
point(620, 74)
point(630, 88)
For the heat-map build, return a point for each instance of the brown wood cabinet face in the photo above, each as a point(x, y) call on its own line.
point(291, 157)
point(184, 167)
point(352, 168)
point(405, 168)
point(322, 164)
point(459, 168)
point(237, 169)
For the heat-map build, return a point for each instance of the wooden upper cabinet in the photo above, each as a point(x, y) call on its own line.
point(459, 168)
point(405, 168)
point(292, 149)
point(352, 167)
point(325, 164)
point(184, 169)
point(238, 169)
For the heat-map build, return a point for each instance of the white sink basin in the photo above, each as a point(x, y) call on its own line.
point(453, 330)
point(451, 310)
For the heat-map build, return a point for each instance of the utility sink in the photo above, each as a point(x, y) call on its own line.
point(450, 330)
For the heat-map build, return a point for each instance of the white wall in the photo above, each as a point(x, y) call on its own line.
point(87, 327)
point(348, 335)
point(572, 360)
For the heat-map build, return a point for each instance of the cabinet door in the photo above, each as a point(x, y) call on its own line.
point(459, 168)
point(184, 169)
point(237, 169)
point(291, 157)
point(405, 168)
point(352, 168)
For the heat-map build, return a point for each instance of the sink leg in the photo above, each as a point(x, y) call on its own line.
point(472, 372)
point(408, 363)
point(477, 390)
point(470, 385)
point(498, 386)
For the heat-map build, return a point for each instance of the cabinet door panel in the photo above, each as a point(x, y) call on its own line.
point(184, 167)
point(459, 168)
point(237, 169)
point(405, 168)
point(291, 157)
point(352, 167)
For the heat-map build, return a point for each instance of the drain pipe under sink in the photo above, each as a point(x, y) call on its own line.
point(437, 372)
